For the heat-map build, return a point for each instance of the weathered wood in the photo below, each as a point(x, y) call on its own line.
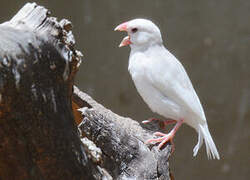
point(124, 153)
point(38, 136)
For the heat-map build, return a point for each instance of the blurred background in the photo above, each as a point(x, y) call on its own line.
point(210, 38)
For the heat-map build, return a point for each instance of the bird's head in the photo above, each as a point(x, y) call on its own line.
point(141, 32)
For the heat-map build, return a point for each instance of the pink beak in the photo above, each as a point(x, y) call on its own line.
point(123, 27)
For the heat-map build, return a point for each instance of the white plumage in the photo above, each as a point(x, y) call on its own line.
point(163, 83)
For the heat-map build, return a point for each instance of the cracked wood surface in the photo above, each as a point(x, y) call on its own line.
point(122, 142)
point(38, 136)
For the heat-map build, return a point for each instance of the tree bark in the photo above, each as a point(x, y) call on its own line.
point(39, 137)
point(121, 140)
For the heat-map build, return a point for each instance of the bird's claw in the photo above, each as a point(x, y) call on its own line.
point(162, 140)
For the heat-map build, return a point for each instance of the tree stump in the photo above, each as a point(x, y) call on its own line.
point(39, 137)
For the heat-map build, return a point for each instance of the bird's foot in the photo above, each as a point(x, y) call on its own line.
point(164, 138)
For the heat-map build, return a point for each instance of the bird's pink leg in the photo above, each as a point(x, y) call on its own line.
point(166, 137)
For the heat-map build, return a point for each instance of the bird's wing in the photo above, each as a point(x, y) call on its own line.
point(171, 79)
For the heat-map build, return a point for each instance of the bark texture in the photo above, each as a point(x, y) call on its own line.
point(121, 140)
point(38, 136)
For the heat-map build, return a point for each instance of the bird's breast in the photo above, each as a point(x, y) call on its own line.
point(156, 101)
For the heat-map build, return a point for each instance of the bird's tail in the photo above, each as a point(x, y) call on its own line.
point(204, 133)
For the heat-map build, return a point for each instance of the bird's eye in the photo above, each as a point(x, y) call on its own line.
point(134, 30)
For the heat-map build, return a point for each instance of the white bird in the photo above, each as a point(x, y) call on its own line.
point(163, 83)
